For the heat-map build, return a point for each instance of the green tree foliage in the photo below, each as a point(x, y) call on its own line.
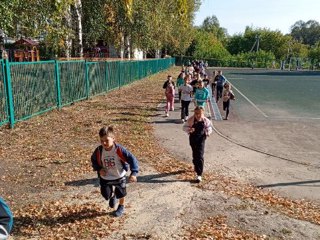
point(206, 45)
point(314, 54)
point(269, 41)
point(147, 24)
point(38, 19)
point(212, 25)
point(7, 14)
point(95, 21)
point(306, 32)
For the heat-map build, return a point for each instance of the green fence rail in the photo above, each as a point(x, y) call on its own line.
point(31, 88)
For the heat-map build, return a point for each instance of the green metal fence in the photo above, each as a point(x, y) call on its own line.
point(31, 88)
point(4, 116)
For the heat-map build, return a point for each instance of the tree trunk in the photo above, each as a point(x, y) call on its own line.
point(128, 49)
point(78, 8)
point(122, 47)
point(68, 38)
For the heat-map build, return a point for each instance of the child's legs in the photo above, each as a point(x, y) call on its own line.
point(187, 108)
point(105, 189)
point(213, 88)
point(219, 92)
point(227, 112)
point(183, 104)
point(172, 103)
point(167, 104)
point(226, 107)
point(120, 189)
point(197, 155)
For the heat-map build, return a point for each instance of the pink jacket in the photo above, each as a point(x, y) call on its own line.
point(207, 124)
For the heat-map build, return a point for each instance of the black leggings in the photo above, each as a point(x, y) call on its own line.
point(219, 92)
point(197, 146)
point(184, 109)
point(226, 106)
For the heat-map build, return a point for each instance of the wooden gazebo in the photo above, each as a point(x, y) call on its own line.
point(26, 50)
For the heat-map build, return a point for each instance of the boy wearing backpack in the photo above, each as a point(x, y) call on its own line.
point(112, 161)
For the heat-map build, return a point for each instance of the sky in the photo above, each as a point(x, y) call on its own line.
point(235, 15)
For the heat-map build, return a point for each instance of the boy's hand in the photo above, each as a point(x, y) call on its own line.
point(132, 179)
point(103, 172)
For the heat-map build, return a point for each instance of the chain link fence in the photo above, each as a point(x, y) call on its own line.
point(28, 89)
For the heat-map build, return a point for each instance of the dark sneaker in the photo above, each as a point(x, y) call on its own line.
point(113, 201)
point(119, 211)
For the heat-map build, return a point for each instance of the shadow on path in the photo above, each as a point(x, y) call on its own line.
point(156, 178)
point(83, 182)
point(153, 178)
point(291, 183)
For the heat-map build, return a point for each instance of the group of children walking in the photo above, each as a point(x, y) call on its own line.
point(223, 90)
point(191, 87)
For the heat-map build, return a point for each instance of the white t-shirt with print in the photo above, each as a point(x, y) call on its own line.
point(111, 162)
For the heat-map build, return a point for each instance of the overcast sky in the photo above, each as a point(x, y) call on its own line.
point(235, 15)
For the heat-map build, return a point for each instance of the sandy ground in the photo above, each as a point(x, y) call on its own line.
point(166, 205)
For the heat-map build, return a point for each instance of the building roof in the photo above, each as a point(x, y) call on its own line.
point(25, 41)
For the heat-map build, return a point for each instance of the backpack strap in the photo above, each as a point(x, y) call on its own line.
point(120, 154)
point(99, 153)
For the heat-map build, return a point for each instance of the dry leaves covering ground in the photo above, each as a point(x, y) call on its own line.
point(39, 156)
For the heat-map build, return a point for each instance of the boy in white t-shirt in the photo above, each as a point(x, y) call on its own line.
point(111, 161)
point(186, 96)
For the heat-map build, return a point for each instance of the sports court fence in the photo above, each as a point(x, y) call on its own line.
point(288, 64)
point(28, 89)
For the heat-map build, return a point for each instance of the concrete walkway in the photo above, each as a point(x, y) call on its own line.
point(231, 151)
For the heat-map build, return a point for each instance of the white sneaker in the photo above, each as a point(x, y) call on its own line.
point(199, 179)
point(167, 114)
point(186, 118)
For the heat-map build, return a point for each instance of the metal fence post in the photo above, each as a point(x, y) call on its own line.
point(119, 74)
point(9, 93)
point(58, 85)
point(107, 75)
point(87, 79)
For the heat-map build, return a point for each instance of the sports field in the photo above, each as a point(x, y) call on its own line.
point(276, 94)
point(275, 111)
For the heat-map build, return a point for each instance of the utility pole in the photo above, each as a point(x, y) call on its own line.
point(256, 43)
